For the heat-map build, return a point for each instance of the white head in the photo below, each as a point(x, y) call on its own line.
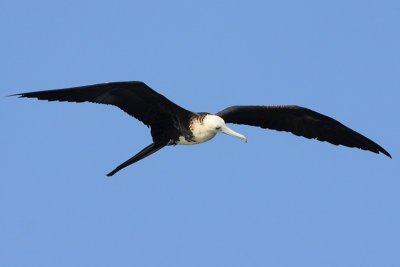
point(216, 124)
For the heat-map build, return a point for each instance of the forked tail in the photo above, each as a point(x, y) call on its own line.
point(147, 151)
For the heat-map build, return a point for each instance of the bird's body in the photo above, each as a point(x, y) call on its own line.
point(173, 125)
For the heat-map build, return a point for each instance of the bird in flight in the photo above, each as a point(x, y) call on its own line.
point(173, 125)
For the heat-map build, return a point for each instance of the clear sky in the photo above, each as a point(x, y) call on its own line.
point(279, 200)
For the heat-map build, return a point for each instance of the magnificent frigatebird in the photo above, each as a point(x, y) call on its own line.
point(173, 125)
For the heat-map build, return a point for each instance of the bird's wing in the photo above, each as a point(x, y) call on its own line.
point(135, 98)
point(299, 121)
point(147, 151)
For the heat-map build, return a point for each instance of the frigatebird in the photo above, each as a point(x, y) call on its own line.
point(173, 125)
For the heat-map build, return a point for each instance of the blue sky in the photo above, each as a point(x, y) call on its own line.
point(278, 200)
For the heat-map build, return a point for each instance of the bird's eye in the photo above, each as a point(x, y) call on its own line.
point(218, 128)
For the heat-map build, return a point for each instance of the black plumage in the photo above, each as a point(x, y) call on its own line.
point(135, 98)
point(171, 124)
point(301, 122)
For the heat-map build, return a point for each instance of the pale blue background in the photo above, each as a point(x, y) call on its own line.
point(278, 200)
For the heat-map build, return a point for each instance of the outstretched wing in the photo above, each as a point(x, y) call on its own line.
point(135, 98)
point(299, 121)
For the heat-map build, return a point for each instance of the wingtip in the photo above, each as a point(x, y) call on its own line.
point(386, 153)
point(19, 95)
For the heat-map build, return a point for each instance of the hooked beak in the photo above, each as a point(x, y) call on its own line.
point(231, 132)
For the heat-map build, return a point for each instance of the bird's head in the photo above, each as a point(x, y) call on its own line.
point(216, 124)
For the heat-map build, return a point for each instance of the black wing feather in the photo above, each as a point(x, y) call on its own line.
point(299, 121)
point(135, 98)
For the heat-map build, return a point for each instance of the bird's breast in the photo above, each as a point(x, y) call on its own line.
point(198, 134)
point(195, 139)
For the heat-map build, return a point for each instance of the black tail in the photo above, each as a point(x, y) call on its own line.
point(147, 151)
